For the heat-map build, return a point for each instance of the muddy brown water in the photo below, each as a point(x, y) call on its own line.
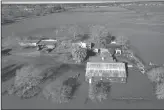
point(146, 35)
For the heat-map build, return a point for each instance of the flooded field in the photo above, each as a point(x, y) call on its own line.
point(143, 26)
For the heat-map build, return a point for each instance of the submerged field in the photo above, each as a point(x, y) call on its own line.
point(143, 25)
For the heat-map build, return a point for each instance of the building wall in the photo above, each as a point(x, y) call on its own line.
point(108, 79)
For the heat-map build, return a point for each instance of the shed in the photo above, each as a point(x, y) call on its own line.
point(112, 72)
point(49, 43)
point(28, 43)
point(82, 44)
point(113, 42)
point(118, 51)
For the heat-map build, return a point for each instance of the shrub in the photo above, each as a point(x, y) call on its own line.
point(26, 78)
point(66, 93)
point(63, 46)
point(79, 54)
point(61, 92)
point(99, 91)
point(52, 91)
point(160, 91)
point(33, 91)
point(28, 75)
point(156, 74)
point(69, 86)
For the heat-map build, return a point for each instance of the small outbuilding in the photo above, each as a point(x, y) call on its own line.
point(82, 44)
point(28, 43)
point(49, 43)
point(118, 51)
point(113, 42)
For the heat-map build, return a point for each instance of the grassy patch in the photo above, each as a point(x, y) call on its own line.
point(13, 13)
point(61, 91)
point(6, 52)
point(10, 71)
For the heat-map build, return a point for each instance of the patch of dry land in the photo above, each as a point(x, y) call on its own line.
point(142, 24)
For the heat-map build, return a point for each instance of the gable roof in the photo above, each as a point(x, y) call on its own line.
point(47, 41)
point(106, 69)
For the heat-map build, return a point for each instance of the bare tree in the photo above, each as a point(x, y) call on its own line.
point(100, 36)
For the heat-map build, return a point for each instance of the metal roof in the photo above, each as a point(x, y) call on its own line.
point(106, 66)
point(47, 42)
point(106, 69)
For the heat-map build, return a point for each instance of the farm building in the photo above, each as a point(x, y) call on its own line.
point(100, 50)
point(118, 51)
point(113, 42)
point(49, 43)
point(112, 72)
point(82, 44)
point(104, 50)
point(108, 69)
point(28, 43)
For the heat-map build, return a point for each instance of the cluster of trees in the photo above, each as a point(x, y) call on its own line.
point(62, 92)
point(101, 36)
point(156, 75)
point(26, 82)
point(79, 54)
point(99, 91)
point(160, 91)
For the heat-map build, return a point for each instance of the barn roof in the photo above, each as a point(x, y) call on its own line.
point(106, 69)
point(30, 41)
point(48, 42)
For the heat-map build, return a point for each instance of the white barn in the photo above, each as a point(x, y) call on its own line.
point(112, 72)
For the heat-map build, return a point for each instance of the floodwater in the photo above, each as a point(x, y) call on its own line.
point(145, 31)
